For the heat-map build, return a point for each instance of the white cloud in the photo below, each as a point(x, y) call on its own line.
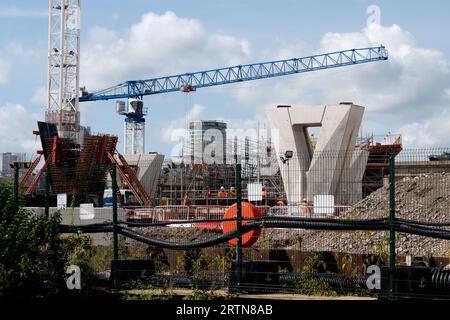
point(447, 93)
point(411, 79)
point(431, 132)
point(16, 125)
point(40, 96)
point(17, 49)
point(242, 128)
point(15, 12)
point(178, 127)
point(156, 45)
point(14, 55)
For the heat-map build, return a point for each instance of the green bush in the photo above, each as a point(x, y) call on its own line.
point(311, 287)
point(32, 258)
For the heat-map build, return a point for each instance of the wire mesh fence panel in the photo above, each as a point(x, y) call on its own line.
point(343, 185)
point(423, 186)
point(422, 207)
point(422, 211)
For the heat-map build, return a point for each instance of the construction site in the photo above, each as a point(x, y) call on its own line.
point(309, 205)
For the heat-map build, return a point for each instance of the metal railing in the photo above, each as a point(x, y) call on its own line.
point(307, 211)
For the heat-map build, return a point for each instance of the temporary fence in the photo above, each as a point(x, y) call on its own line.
point(367, 222)
point(306, 211)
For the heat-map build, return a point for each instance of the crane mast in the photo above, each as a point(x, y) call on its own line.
point(64, 67)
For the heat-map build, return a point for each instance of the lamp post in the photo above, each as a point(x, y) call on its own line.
point(288, 154)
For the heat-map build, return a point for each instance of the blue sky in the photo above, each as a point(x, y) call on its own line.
point(409, 95)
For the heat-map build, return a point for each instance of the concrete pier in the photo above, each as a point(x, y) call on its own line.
point(334, 167)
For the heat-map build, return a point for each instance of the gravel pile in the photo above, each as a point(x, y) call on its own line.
point(178, 234)
point(424, 198)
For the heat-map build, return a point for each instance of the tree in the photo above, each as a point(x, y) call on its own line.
point(32, 258)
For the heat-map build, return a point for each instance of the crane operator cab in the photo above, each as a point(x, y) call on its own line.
point(133, 107)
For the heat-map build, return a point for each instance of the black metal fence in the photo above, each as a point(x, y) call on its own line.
point(358, 223)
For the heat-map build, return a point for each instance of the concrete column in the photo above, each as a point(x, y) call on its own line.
point(334, 166)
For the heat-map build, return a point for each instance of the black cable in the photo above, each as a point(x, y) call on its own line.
point(424, 223)
point(177, 246)
point(325, 225)
point(423, 231)
point(245, 228)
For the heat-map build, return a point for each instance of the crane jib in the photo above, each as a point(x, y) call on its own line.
point(188, 82)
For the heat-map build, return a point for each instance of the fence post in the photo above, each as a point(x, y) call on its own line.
point(114, 203)
point(47, 193)
point(239, 225)
point(16, 188)
point(391, 157)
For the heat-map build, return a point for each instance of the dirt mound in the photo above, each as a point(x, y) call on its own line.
point(424, 198)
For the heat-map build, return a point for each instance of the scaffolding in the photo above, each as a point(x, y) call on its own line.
point(203, 182)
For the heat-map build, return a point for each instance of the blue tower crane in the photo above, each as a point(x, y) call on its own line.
point(135, 90)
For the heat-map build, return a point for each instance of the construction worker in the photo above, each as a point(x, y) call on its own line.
point(280, 203)
point(222, 193)
point(233, 192)
point(306, 208)
point(208, 196)
point(186, 201)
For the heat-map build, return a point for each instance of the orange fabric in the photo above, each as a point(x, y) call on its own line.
point(248, 211)
point(233, 193)
point(186, 201)
point(222, 194)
